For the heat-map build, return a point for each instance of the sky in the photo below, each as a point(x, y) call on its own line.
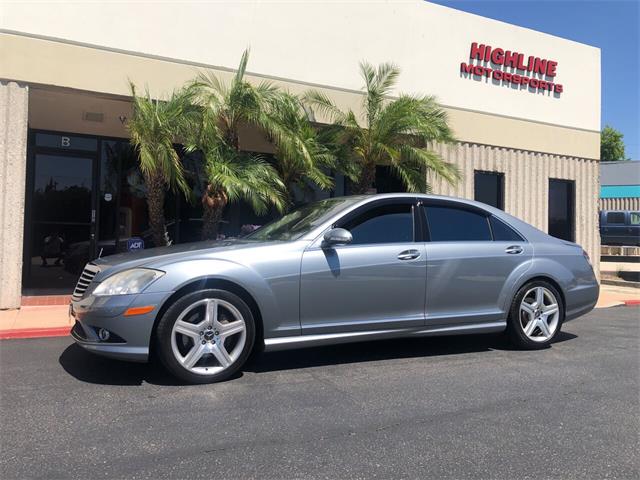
point(610, 25)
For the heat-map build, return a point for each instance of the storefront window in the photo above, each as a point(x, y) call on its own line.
point(108, 195)
point(133, 220)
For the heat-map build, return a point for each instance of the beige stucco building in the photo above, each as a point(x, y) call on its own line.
point(528, 146)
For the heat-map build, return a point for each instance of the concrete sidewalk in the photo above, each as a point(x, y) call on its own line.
point(50, 316)
point(611, 296)
point(33, 321)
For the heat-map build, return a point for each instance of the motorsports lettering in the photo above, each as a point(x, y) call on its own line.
point(520, 64)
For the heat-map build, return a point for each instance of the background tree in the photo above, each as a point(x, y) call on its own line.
point(391, 132)
point(232, 174)
point(611, 145)
point(154, 127)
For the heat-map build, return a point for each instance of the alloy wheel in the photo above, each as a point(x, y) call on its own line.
point(539, 314)
point(208, 336)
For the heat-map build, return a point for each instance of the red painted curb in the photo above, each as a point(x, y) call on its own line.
point(635, 301)
point(34, 333)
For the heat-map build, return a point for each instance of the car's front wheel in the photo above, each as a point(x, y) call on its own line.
point(206, 336)
point(536, 315)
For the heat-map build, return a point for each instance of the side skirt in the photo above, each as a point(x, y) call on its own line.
point(300, 341)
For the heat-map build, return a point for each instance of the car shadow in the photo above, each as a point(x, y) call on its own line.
point(90, 368)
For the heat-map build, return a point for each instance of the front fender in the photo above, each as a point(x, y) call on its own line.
point(183, 273)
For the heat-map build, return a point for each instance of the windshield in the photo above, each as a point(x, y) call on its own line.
point(299, 222)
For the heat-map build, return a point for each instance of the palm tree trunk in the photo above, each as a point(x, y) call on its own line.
point(288, 190)
point(288, 199)
point(365, 182)
point(213, 203)
point(155, 205)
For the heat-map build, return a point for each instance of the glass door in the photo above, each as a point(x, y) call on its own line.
point(60, 235)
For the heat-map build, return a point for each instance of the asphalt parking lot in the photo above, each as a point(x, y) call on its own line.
point(455, 407)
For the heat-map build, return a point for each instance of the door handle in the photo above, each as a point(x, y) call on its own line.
point(408, 255)
point(514, 249)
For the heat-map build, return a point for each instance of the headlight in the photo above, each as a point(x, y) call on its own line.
point(127, 282)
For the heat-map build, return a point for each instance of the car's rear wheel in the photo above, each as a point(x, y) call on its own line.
point(206, 336)
point(536, 315)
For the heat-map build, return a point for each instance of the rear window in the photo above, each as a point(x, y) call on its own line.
point(448, 224)
point(615, 217)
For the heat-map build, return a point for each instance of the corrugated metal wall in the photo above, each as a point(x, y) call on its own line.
point(632, 203)
point(526, 185)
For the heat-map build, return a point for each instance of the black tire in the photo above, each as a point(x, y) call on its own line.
point(515, 330)
point(165, 327)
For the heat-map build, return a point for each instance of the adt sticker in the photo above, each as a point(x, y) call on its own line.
point(134, 244)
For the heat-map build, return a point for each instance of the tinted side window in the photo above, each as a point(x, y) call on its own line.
point(384, 224)
point(635, 218)
point(448, 224)
point(615, 217)
point(503, 232)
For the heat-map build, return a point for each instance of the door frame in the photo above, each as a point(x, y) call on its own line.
point(94, 156)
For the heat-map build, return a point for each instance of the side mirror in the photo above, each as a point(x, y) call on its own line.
point(337, 236)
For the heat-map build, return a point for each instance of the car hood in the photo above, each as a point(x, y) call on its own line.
point(163, 255)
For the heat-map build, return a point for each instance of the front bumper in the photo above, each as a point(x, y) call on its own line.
point(129, 336)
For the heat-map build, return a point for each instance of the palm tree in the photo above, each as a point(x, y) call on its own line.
point(394, 132)
point(154, 127)
point(303, 155)
point(232, 174)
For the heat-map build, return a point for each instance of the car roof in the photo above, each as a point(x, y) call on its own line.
point(362, 199)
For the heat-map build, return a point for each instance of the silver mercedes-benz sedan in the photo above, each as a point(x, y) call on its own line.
point(338, 270)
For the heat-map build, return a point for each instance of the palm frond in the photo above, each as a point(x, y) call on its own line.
point(378, 84)
point(245, 176)
point(323, 104)
point(431, 162)
point(300, 156)
point(154, 127)
point(386, 78)
point(244, 59)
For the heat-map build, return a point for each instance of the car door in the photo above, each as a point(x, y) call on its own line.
point(473, 259)
point(375, 282)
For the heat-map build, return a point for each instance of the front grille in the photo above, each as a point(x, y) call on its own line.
point(86, 276)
